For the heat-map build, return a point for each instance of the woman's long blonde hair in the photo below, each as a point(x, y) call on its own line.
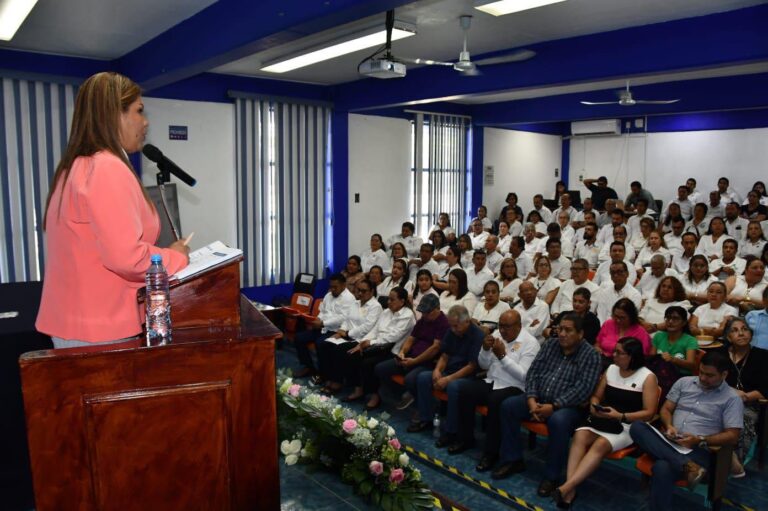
point(96, 125)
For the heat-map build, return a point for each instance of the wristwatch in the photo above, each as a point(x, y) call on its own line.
point(702, 441)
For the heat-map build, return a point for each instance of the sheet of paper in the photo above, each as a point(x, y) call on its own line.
point(207, 257)
point(336, 341)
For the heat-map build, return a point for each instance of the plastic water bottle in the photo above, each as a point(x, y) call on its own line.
point(158, 304)
point(436, 426)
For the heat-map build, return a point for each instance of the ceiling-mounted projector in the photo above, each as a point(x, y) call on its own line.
point(382, 68)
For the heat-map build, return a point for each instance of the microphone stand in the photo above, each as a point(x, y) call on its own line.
point(163, 176)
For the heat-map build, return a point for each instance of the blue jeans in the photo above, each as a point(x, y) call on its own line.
point(425, 401)
point(387, 369)
point(668, 466)
point(560, 424)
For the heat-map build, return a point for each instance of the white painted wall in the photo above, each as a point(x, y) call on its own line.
point(380, 171)
point(523, 163)
point(209, 208)
point(662, 161)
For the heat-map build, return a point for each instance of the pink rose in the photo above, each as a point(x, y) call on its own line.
point(323, 398)
point(294, 390)
point(395, 443)
point(396, 476)
point(349, 426)
point(376, 467)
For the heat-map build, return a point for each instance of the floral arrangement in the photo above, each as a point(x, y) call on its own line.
point(317, 430)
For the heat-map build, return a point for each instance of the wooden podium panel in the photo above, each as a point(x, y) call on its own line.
point(190, 425)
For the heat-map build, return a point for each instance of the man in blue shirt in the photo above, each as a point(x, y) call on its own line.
point(699, 411)
point(561, 378)
point(758, 322)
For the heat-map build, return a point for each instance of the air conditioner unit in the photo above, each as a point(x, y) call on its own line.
point(598, 127)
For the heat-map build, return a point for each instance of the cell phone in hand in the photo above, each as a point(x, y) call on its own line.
point(599, 408)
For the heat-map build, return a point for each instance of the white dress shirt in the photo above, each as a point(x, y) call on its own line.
point(561, 267)
point(737, 265)
point(361, 319)
point(388, 285)
point(478, 240)
point(711, 318)
point(524, 264)
point(510, 371)
point(737, 228)
point(564, 299)
point(493, 262)
point(412, 244)
point(653, 311)
point(633, 223)
point(378, 258)
point(607, 296)
point(589, 252)
point(647, 253)
point(469, 301)
point(477, 279)
point(509, 290)
point(335, 309)
point(545, 286)
point(699, 229)
point(546, 214)
point(648, 284)
point(708, 247)
point(392, 327)
point(747, 247)
point(489, 317)
point(603, 273)
point(430, 265)
point(572, 212)
point(538, 313)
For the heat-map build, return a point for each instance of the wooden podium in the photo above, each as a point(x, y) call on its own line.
point(186, 426)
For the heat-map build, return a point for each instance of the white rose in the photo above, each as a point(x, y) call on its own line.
point(403, 459)
point(372, 423)
point(390, 432)
point(290, 448)
point(291, 459)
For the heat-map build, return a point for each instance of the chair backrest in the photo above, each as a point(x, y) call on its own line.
point(699, 355)
point(301, 302)
point(316, 307)
point(305, 283)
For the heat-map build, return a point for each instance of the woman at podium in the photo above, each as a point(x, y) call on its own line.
point(100, 225)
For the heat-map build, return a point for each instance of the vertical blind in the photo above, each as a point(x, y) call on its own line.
point(35, 118)
point(282, 186)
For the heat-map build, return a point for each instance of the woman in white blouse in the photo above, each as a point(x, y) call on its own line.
point(655, 246)
point(486, 314)
point(399, 277)
point(545, 284)
point(711, 244)
point(639, 239)
point(508, 281)
point(452, 258)
point(444, 224)
point(754, 242)
point(669, 293)
point(423, 287)
point(746, 291)
point(399, 252)
point(376, 255)
point(539, 226)
point(465, 245)
point(699, 224)
point(697, 279)
point(381, 343)
point(441, 247)
point(711, 318)
point(457, 292)
point(504, 238)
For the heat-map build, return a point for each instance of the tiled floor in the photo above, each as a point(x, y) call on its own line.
point(612, 487)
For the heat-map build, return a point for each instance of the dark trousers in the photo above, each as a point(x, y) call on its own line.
point(301, 343)
point(668, 466)
point(387, 369)
point(360, 367)
point(331, 360)
point(472, 393)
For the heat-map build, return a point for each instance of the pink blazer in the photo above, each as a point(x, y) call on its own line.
point(100, 234)
point(608, 337)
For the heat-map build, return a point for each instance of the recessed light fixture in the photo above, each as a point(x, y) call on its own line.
point(502, 7)
point(12, 15)
point(333, 50)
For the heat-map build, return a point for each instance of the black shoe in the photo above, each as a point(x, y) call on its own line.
point(507, 469)
point(445, 441)
point(546, 488)
point(460, 446)
point(416, 427)
point(486, 463)
point(558, 498)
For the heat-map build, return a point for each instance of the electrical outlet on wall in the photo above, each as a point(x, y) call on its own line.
point(581, 178)
point(557, 172)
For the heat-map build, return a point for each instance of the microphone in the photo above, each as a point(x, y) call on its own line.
point(166, 165)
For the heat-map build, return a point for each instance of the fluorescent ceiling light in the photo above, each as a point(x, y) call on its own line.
point(502, 7)
point(337, 50)
point(12, 15)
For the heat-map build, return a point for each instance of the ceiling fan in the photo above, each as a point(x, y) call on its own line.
point(626, 99)
point(465, 64)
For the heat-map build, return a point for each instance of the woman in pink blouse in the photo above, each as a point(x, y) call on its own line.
point(100, 225)
point(623, 322)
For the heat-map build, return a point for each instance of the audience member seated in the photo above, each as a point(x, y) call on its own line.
point(538, 223)
point(453, 262)
point(444, 224)
point(545, 283)
point(759, 187)
point(581, 217)
point(399, 253)
point(727, 194)
point(545, 214)
point(504, 238)
point(639, 241)
point(509, 281)
point(580, 304)
point(612, 291)
point(637, 192)
point(518, 252)
point(748, 376)
point(440, 243)
point(675, 345)
point(666, 223)
point(478, 235)
point(633, 222)
point(681, 261)
point(605, 234)
point(422, 288)
point(423, 262)
point(533, 245)
point(376, 275)
point(492, 257)
point(554, 232)
point(711, 244)
point(562, 377)
point(407, 238)
point(513, 221)
point(617, 254)
point(560, 189)
point(604, 217)
point(506, 356)
point(376, 255)
point(714, 207)
point(580, 278)
point(673, 240)
point(754, 243)
point(758, 322)
point(696, 280)
point(718, 421)
point(694, 195)
point(567, 232)
point(735, 225)
point(682, 201)
point(746, 291)
point(649, 282)
point(459, 349)
point(669, 293)
point(588, 248)
point(465, 245)
point(353, 272)
point(534, 313)
point(457, 292)
point(511, 201)
point(359, 320)
point(600, 192)
point(338, 304)
point(753, 210)
point(627, 393)
point(655, 246)
point(398, 278)
point(382, 343)
point(566, 207)
point(589, 217)
point(620, 235)
point(624, 322)
point(729, 264)
point(487, 313)
point(418, 352)
point(482, 215)
point(710, 319)
point(699, 223)
point(478, 274)
point(560, 264)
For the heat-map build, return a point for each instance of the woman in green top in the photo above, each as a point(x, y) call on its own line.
point(676, 346)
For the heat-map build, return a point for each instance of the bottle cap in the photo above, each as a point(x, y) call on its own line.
point(157, 258)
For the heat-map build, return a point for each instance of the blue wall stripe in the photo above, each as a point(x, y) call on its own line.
point(565, 166)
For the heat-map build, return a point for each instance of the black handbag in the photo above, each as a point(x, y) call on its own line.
point(612, 426)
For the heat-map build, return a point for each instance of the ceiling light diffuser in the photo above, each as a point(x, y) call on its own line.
point(336, 50)
point(502, 7)
point(12, 15)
